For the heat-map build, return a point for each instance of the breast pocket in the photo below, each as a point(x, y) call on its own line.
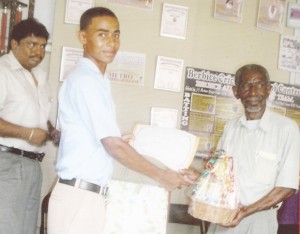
point(265, 167)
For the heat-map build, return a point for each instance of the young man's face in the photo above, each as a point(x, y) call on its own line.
point(101, 40)
point(30, 51)
point(253, 91)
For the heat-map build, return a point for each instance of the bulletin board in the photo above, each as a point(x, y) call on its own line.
point(204, 42)
point(208, 103)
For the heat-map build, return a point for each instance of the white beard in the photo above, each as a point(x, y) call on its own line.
point(253, 109)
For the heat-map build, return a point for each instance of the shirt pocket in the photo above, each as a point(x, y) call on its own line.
point(265, 167)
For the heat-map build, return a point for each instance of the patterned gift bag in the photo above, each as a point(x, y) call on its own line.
point(215, 196)
point(136, 208)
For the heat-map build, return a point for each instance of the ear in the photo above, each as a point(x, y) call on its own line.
point(269, 89)
point(235, 92)
point(82, 37)
point(13, 44)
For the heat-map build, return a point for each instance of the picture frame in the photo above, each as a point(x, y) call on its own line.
point(75, 8)
point(70, 56)
point(229, 10)
point(174, 21)
point(271, 15)
point(293, 15)
point(141, 4)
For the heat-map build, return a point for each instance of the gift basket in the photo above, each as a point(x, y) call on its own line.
point(214, 197)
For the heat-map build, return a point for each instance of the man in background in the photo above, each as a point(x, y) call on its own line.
point(265, 149)
point(25, 103)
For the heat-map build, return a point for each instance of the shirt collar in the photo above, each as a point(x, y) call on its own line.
point(90, 64)
point(15, 64)
point(264, 122)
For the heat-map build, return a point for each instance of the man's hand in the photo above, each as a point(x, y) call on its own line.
point(38, 136)
point(172, 180)
point(237, 219)
point(54, 134)
point(275, 196)
point(190, 175)
point(127, 137)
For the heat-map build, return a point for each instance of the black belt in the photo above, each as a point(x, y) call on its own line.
point(102, 190)
point(24, 153)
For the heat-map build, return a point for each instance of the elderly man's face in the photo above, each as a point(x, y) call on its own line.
point(253, 90)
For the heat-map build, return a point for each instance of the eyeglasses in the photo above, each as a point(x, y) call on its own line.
point(34, 45)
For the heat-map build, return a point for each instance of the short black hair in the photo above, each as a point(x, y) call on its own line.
point(90, 13)
point(29, 27)
point(251, 67)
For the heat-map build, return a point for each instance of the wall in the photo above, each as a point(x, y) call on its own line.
point(211, 44)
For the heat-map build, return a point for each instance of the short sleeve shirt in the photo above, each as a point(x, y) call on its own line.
point(264, 157)
point(86, 115)
point(22, 102)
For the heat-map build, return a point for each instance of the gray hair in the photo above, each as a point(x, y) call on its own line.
point(251, 67)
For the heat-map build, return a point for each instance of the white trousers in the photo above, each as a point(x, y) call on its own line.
point(75, 211)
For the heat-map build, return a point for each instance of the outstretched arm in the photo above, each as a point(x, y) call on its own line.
point(277, 195)
point(129, 157)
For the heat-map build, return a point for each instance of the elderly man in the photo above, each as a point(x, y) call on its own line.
point(265, 148)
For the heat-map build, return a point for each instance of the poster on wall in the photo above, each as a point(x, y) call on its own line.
point(295, 79)
point(164, 117)
point(208, 103)
point(289, 53)
point(174, 21)
point(75, 8)
point(69, 58)
point(141, 4)
point(229, 10)
point(285, 99)
point(127, 68)
point(168, 74)
point(271, 15)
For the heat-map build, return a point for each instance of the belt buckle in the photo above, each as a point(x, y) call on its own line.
point(4, 148)
point(104, 191)
point(40, 156)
